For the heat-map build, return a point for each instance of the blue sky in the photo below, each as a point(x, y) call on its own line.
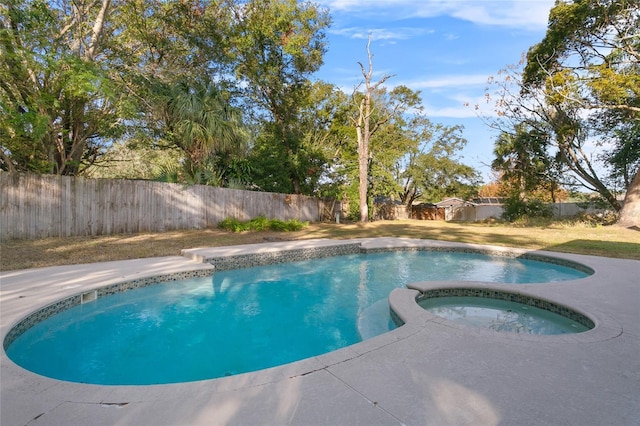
point(447, 49)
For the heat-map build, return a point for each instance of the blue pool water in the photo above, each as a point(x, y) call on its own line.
point(246, 319)
point(501, 315)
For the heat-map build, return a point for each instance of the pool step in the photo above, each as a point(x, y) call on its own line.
point(375, 320)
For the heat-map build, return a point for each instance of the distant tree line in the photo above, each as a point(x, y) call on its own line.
point(220, 92)
point(215, 92)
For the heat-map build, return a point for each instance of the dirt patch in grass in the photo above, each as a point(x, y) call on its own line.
point(610, 241)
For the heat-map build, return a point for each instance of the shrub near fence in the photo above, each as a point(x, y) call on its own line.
point(39, 206)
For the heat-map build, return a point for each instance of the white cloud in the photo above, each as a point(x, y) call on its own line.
point(462, 109)
point(454, 105)
point(521, 14)
point(448, 81)
point(460, 105)
point(532, 14)
point(401, 33)
point(449, 112)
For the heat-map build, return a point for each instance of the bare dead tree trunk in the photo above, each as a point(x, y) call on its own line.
point(363, 156)
point(364, 130)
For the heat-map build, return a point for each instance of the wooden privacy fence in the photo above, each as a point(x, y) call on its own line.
point(479, 212)
point(35, 206)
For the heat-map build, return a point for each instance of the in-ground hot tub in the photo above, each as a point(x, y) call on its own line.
point(504, 312)
point(482, 307)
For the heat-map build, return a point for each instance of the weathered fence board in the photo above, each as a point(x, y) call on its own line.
point(35, 206)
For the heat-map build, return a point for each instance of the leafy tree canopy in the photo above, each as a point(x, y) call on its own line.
point(580, 87)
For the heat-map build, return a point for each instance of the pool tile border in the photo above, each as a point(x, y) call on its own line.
point(524, 299)
point(568, 378)
point(220, 264)
point(69, 302)
point(248, 260)
point(513, 253)
point(404, 307)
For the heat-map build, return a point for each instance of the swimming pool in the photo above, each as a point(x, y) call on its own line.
point(502, 315)
point(246, 319)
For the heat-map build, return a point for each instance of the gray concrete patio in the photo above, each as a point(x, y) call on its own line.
point(427, 372)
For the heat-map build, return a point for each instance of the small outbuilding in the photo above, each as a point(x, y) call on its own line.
point(457, 209)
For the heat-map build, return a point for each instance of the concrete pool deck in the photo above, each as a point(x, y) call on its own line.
point(427, 372)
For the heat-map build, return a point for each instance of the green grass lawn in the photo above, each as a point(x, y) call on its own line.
point(609, 241)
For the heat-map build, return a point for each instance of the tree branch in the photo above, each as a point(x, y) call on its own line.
point(97, 30)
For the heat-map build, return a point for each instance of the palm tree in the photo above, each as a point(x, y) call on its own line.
point(205, 126)
point(522, 160)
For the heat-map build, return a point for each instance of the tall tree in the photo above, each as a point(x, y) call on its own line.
point(433, 169)
point(400, 153)
point(318, 144)
point(57, 102)
point(325, 126)
point(75, 76)
point(623, 138)
point(203, 124)
point(589, 62)
point(569, 132)
point(365, 128)
point(160, 45)
point(631, 211)
point(276, 46)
